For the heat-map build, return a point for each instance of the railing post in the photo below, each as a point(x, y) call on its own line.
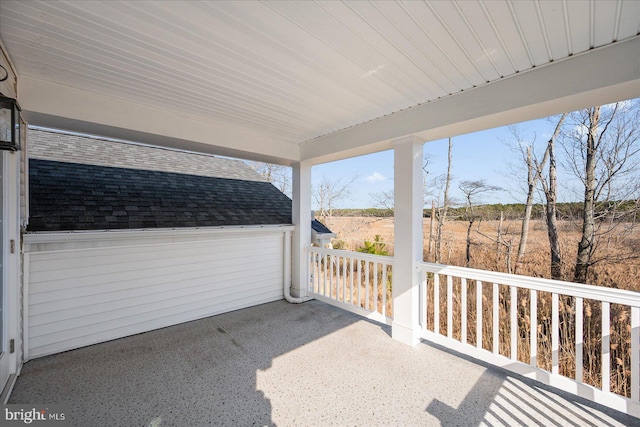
point(408, 203)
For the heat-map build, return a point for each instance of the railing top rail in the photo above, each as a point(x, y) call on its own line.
point(600, 293)
point(351, 254)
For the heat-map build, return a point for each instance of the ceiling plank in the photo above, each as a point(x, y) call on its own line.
point(567, 85)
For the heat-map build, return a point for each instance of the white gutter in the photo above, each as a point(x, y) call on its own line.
point(287, 272)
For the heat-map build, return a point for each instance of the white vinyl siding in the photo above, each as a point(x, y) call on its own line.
point(117, 285)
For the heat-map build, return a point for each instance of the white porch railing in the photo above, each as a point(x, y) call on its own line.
point(354, 281)
point(585, 338)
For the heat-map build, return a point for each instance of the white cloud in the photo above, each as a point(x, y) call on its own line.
point(375, 177)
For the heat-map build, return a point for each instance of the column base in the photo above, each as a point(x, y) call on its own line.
point(404, 334)
point(298, 293)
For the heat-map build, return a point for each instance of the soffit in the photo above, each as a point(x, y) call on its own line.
point(297, 71)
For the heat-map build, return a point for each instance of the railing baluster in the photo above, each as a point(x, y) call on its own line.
point(351, 281)
point(366, 280)
point(317, 271)
point(359, 280)
point(479, 313)
point(635, 354)
point(496, 318)
point(463, 310)
point(533, 336)
point(449, 306)
point(436, 303)
point(606, 346)
point(384, 289)
point(424, 299)
point(340, 274)
point(310, 272)
point(331, 278)
point(347, 288)
point(555, 333)
point(375, 287)
point(344, 279)
point(336, 275)
point(514, 322)
point(579, 337)
point(324, 284)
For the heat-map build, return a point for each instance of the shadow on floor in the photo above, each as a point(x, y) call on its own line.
point(501, 397)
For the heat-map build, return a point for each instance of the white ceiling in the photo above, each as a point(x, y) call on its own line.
point(297, 71)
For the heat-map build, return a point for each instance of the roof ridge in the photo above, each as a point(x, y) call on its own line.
point(70, 147)
point(122, 141)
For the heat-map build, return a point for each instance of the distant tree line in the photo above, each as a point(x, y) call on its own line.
point(492, 212)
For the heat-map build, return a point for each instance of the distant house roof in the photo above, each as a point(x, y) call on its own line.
point(320, 228)
point(85, 183)
point(72, 196)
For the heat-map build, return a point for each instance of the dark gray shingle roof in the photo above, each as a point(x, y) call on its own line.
point(71, 196)
point(319, 227)
point(93, 150)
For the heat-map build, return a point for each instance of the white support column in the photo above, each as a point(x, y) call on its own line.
point(408, 203)
point(301, 217)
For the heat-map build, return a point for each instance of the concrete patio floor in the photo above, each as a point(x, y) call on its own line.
point(290, 365)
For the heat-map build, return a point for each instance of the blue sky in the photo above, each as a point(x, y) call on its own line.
point(479, 155)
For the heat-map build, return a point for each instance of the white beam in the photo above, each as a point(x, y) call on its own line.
point(53, 105)
point(407, 239)
point(301, 216)
point(597, 77)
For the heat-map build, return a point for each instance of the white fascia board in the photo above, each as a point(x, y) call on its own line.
point(53, 105)
point(597, 77)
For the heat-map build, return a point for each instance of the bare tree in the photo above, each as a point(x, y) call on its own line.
point(603, 150)
point(278, 175)
point(524, 147)
point(382, 199)
point(328, 192)
point(385, 199)
point(442, 212)
point(501, 241)
point(550, 188)
point(471, 190)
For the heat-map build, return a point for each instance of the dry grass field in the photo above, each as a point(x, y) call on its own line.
point(352, 231)
point(623, 275)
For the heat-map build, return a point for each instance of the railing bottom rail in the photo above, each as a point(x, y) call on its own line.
point(371, 315)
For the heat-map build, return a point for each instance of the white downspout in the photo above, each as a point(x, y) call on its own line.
point(287, 272)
